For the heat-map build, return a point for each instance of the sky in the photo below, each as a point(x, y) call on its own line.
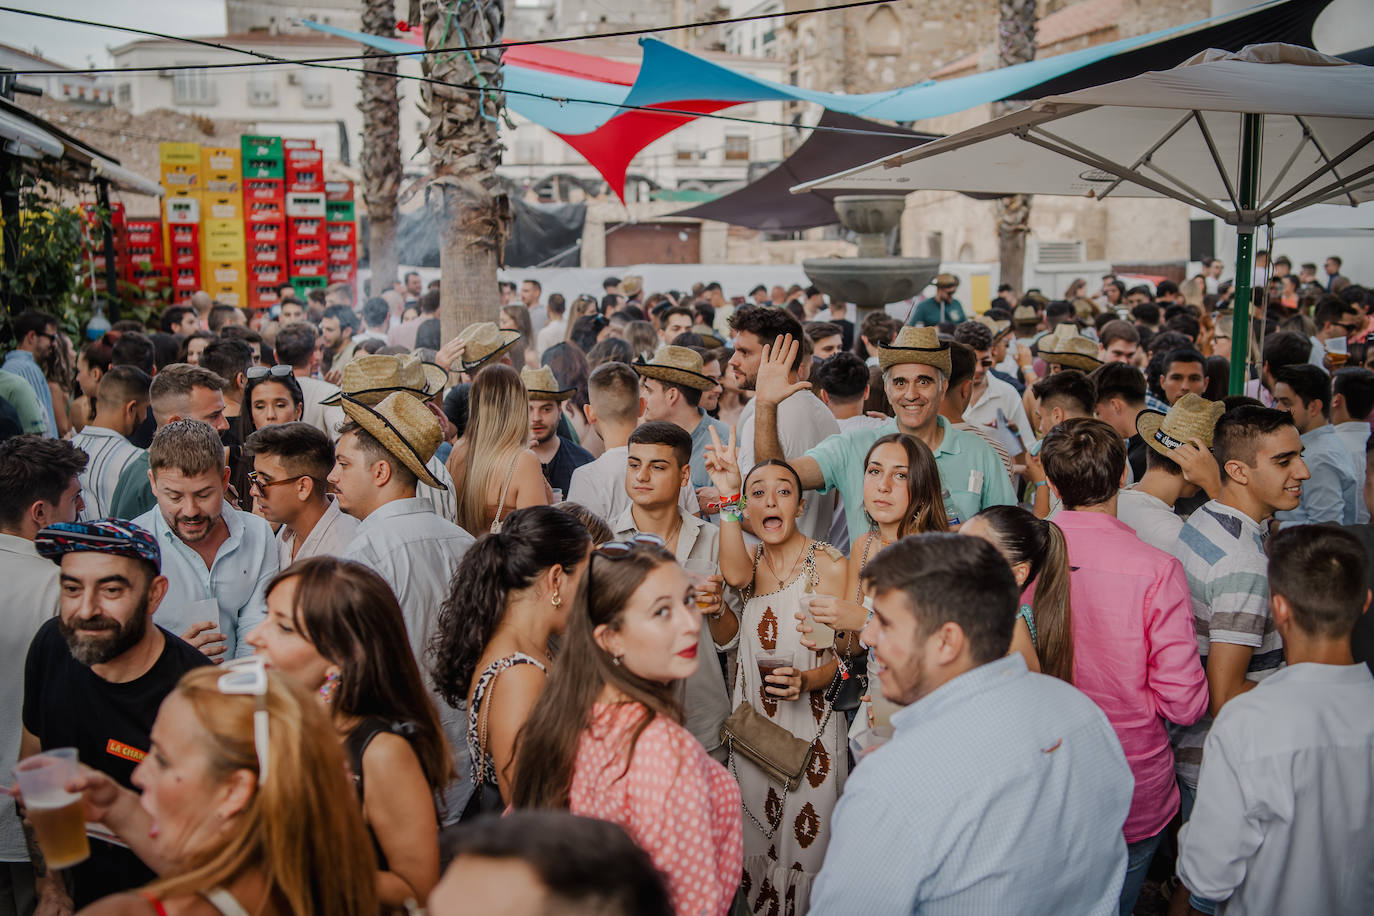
point(79, 46)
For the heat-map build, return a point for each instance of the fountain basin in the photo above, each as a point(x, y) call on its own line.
point(871, 283)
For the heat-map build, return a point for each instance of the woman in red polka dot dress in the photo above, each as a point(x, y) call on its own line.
point(605, 739)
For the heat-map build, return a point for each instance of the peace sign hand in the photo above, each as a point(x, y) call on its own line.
point(722, 463)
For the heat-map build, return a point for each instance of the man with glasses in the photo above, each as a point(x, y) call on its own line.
point(35, 333)
point(94, 678)
point(1335, 320)
point(291, 463)
point(991, 396)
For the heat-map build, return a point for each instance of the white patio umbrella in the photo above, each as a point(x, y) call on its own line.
point(1249, 137)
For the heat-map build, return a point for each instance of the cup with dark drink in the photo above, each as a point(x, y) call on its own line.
point(58, 816)
point(770, 663)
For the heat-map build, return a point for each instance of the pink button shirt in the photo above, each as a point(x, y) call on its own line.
point(679, 805)
point(1134, 653)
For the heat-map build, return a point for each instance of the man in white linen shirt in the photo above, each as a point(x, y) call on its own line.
point(291, 463)
point(299, 346)
point(217, 559)
point(990, 394)
point(1352, 401)
point(1183, 436)
point(1023, 787)
point(120, 406)
point(803, 420)
point(556, 330)
point(613, 407)
point(1284, 819)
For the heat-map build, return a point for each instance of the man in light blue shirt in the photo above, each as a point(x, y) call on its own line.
point(1333, 494)
point(915, 376)
point(217, 560)
point(1000, 790)
point(35, 334)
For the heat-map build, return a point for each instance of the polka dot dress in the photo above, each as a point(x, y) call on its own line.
point(678, 804)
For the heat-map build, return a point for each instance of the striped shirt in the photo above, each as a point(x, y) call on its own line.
point(22, 364)
point(109, 453)
point(1222, 551)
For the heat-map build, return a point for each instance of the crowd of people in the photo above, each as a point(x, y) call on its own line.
point(667, 602)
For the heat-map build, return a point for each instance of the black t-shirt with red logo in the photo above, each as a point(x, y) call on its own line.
point(66, 704)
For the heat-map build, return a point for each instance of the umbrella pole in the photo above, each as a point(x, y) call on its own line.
point(1251, 131)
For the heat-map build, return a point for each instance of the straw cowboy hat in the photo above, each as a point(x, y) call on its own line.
point(631, 284)
point(708, 336)
point(946, 281)
point(678, 366)
point(921, 346)
point(999, 329)
point(1025, 314)
point(485, 343)
point(405, 427)
point(542, 386)
point(1067, 348)
point(371, 378)
point(1191, 417)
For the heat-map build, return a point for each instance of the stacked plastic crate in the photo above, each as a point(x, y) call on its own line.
point(183, 187)
point(305, 261)
point(340, 233)
point(264, 197)
point(224, 262)
point(95, 248)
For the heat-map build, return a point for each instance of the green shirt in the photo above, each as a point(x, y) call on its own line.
point(18, 393)
point(930, 312)
point(971, 474)
point(133, 495)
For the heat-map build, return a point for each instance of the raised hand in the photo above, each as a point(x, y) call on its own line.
point(1199, 467)
point(775, 367)
point(722, 462)
point(450, 353)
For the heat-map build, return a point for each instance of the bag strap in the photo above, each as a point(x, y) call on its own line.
point(505, 488)
point(481, 705)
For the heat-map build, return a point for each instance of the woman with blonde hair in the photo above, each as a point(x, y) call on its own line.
point(239, 807)
point(493, 470)
point(517, 318)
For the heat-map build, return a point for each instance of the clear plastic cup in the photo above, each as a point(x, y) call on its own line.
point(58, 816)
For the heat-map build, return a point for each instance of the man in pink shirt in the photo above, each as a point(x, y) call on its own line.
point(1134, 651)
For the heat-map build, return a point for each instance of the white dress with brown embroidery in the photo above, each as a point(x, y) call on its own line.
point(778, 872)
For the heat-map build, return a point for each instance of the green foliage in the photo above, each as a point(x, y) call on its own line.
point(38, 267)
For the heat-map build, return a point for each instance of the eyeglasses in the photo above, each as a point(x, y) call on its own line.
point(279, 371)
point(255, 480)
point(248, 677)
point(619, 550)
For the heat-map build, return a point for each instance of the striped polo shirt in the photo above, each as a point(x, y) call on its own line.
point(109, 454)
point(1222, 551)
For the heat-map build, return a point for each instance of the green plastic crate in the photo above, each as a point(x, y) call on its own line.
point(263, 168)
point(339, 211)
point(304, 283)
point(256, 146)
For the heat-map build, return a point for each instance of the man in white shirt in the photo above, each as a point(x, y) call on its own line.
point(991, 395)
point(39, 486)
point(1178, 463)
point(299, 346)
point(530, 293)
point(291, 462)
point(613, 409)
point(217, 559)
point(657, 470)
point(803, 421)
point(1352, 401)
point(557, 327)
point(1282, 822)
point(120, 406)
point(376, 317)
point(1336, 321)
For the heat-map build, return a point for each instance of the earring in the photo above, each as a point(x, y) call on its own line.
point(615, 659)
point(331, 683)
point(557, 600)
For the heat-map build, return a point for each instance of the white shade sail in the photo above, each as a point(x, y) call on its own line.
point(1172, 133)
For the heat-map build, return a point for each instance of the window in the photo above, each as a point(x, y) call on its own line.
point(314, 92)
point(193, 87)
point(262, 90)
point(736, 148)
point(126, 94)
point(687, 154)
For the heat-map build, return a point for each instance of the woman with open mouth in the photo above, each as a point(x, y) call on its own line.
point(785, 831)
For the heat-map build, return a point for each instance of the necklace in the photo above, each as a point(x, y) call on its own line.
point(790, 570)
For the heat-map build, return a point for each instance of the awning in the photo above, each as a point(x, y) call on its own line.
point(32, 137)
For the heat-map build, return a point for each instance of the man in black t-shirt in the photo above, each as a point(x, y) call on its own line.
point(94, 679)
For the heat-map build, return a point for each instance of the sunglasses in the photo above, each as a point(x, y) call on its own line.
point(255, 480)
point(248, 677)
point(619, 550)
point(257, 372)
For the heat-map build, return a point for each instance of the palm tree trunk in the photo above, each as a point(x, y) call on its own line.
point(381, 159)
point(1015, 45)
point(463, 191)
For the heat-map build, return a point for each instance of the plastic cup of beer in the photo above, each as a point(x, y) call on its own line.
point(703, 589)
point(58, 816)
point(821, 634)
point(883, 708)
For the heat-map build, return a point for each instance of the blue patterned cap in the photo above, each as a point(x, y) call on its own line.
point(107, 535)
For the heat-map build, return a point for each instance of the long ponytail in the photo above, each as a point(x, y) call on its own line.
point(531, 540)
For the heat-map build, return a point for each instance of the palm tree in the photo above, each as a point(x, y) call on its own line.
point(381, 159)
point(463, 191)
point(1015, 45)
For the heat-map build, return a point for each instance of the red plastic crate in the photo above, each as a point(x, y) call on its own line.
point(267, 231)
point(302, 226)
point(184, 234)
point(267, 274)
point(264, 211)
point(262, 297)
point(184, 256)
point(308, 177)
point(341, 233)
point(341, 254)
point(307, 267)
point(266, 253)
point(343, 273)
point(186, 279)
point(338, 190)
point(293, 144)
point(263, 189)
point(304, 246)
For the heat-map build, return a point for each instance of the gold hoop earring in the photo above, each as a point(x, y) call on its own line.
point(557, 600)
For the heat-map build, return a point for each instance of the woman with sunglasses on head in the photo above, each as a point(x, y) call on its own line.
point(606, 738)
point(271, 396)
point(785, 832)
point(334, 628)
point(237, 809)
point(512, 592)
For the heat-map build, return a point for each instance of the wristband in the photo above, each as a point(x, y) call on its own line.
point(731, 515)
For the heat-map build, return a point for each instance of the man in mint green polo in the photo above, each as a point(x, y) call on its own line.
point(915, 375)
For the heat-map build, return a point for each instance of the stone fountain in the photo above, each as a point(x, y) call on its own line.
point(873, 278)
